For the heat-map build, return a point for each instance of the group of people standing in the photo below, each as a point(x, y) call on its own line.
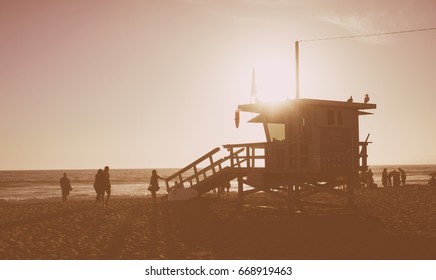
point(394, 178)
point(102, 186)
point(366, 179)
point(389, 179)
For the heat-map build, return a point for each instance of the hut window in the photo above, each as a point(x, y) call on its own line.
point(334, 118)
point(276, 131)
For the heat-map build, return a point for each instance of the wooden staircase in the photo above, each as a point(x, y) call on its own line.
point(215, 174)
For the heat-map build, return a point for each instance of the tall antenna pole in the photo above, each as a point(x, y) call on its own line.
point(253, 88)
point(297, 72)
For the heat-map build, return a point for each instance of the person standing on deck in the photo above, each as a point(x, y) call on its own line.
point(154, 185)
point(106, 185)
point(403, 176)
point(65, 187)
point(385, 178)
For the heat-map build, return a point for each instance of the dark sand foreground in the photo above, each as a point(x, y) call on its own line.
point(384, 224)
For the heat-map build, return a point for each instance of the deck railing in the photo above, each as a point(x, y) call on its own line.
point(286, 158)
point(363, 155)
point(249, 155)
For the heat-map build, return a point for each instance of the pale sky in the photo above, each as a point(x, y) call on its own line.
point(148, 83)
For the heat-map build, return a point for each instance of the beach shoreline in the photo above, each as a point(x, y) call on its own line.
point(391, 223)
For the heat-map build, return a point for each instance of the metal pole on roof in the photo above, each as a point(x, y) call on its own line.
point(297, 72)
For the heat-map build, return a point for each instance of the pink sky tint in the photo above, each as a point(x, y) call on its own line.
point(85, 84)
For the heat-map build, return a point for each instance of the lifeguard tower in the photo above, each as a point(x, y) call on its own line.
point(311, 146)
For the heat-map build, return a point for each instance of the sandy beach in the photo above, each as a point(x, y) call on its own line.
point(386, 223)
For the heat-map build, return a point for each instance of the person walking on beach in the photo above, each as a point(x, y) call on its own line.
point(385, 178)
point(396, 178)
point(154, 185)
point(370, 179)
point(106, 185)
point(227, 186)
point(390, 175)
point(403, 176)
point(432, 181)
point(65, 187)
point(99, 188)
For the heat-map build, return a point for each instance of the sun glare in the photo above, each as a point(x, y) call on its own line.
point(272, 79)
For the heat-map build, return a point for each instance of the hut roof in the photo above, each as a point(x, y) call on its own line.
point(287, 105)
point(276, 110)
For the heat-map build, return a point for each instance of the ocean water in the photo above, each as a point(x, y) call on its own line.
point(44, 184)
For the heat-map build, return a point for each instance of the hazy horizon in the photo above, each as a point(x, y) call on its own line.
point(86, 84)
point(179, 167)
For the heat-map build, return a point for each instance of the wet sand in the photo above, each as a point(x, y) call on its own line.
point(391, 223)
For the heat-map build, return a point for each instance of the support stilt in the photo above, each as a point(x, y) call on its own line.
point(350, 189)
point(291, 202)
point(297, 201)
point(240, 190)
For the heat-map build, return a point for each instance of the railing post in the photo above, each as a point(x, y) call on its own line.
point(253, 149)
point(247, 150)
point(211, 164)
point(196, 174)
point(181, 180)
point(364, 156)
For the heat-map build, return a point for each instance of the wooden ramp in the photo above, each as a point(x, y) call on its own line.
point(216, 173)
point(219, 179)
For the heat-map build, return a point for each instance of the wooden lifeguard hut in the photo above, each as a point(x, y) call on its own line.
point(311, 146)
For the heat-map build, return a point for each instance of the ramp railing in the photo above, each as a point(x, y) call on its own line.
point(193, 173)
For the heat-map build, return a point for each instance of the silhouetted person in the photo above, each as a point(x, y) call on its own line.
point(65, 187)
point(99, 188)
point(390, 175)
point(106, 183)
point(227, 186)
point(403, 176)
point(350, 100)
point(366, 99)
point(384, 178)
point(154, 185)
point(432, 181)
point(370, 179)
point(396, 178)
point(224, 188)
